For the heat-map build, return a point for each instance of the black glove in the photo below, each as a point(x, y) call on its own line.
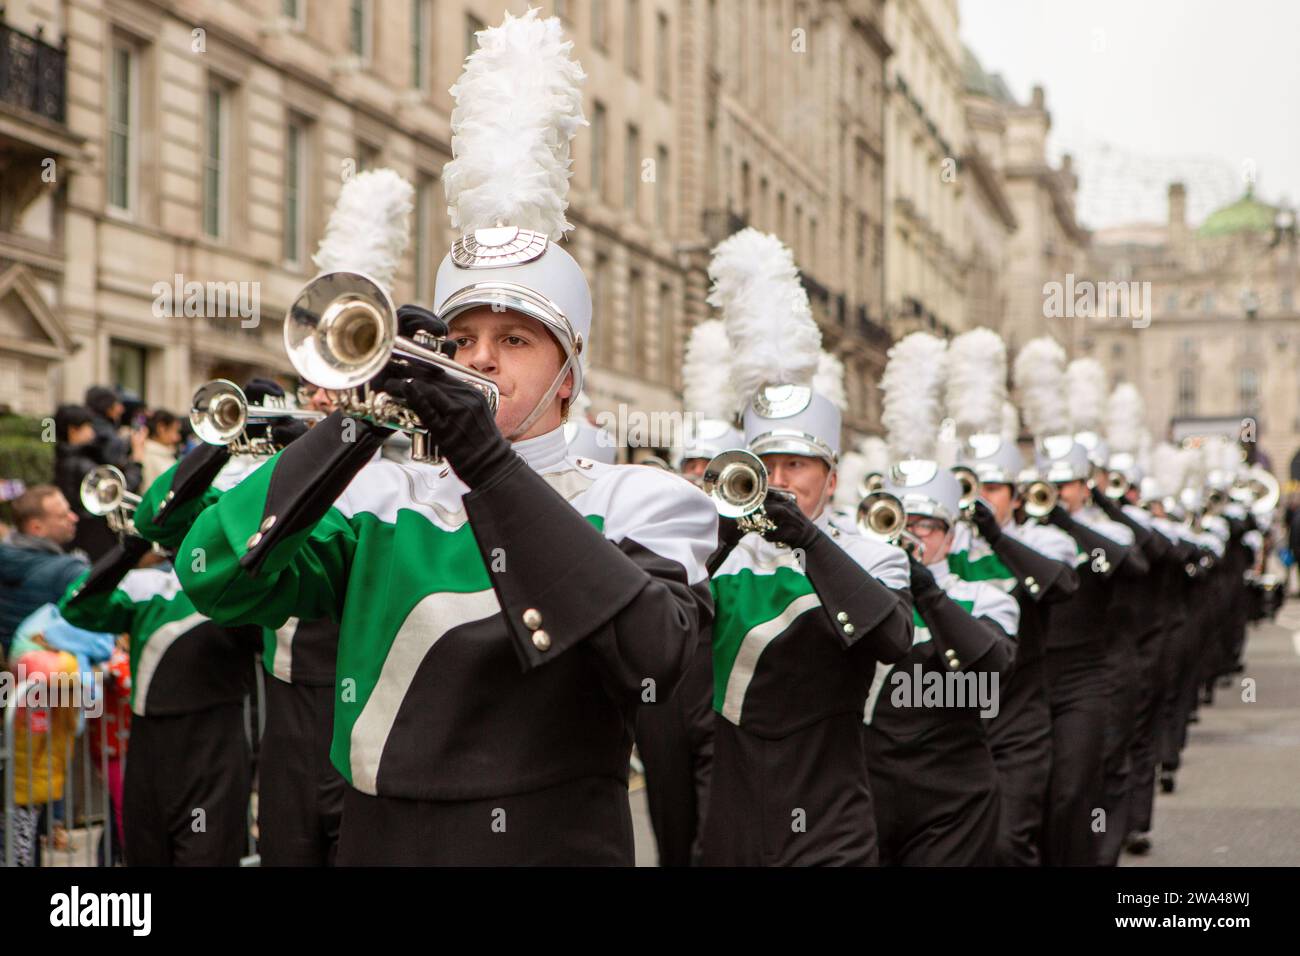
point(285, 431)
point(729, 535)
point(923, 584)
point(257, 390)
point(986, 522)
point(459, 423)
point(793, 528)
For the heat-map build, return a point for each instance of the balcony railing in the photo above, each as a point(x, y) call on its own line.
point(32, 72)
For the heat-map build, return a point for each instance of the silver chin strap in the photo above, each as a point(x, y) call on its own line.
point(543, 403)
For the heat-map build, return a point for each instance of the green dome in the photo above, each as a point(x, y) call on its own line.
point(1247, 214)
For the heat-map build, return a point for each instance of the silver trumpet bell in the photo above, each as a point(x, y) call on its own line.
point(736, 480)
point(970, 488)
point(871, 481)
point(882, 517)
point(1039, 498)
point(220, 411)
point(1117, 484)
point(341, 331)
point(104, 494)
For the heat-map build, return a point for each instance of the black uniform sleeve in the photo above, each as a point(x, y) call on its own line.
point(858, 606)
point(1046, 580)
point(109, 570)
point(1112, 554)
point(563, 582)
point(964, 642)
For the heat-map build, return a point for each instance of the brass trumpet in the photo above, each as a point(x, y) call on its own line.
point(220, 411)
point(871, 481)
point(341, 331)
point(104, 494)
point(736, 480)
point(1117, 484)
point(881, 517)
point(1039, 498)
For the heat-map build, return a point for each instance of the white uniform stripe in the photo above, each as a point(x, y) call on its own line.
point(282, 663)
point(154, 649)
point(752, 646)
point(428, 621)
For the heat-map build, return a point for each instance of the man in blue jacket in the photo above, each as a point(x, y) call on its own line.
point(34, 568)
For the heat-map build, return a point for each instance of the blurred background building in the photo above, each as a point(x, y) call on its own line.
point(145, 145)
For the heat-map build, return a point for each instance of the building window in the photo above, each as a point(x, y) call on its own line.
point(1208, 303)
point(663, 57)
point(1287, 300)
point(600, 308)
point(424, 240)
point(663, 188)
point(632, 168)
point(295, 200)
point(1248, 389)
point(562, 10)
point(599, 26)
point(1186, 392)
point(121, 119)
point(635, 321)
point(1188, 347)
point(1117, 351)
point(419, 46)
point(367, 156)
point(632, 36)
point(746, 200)
point(214, 163)
point(127, 365)
point(473, 27)
point(359, 28)
point(293, 9)
point(598, 150)
point(667, 309)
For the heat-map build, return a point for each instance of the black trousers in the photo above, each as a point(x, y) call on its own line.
point(1076, 692)
point(300, 794)
point(185, 794)
point(1020, 738)
point(1150, 699)
point(937, 803)
point(1182, 644)
point(1117, 742)
point(583, 822)
point(674, 739)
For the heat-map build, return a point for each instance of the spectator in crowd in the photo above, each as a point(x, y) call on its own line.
point(164, 436)
point(34, 568)
point(106, 411)
point(76, 453)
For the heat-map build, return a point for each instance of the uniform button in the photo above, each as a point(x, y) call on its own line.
point(950, 653)
point(541, 640)
point(254, 540)
point(842, 617)
point(1033, 587)
point(954, 663)
point(848, 629)
point(532, 619)
point(171, 495)
point(1030, 582)
point(266, 525)
point(583, 463)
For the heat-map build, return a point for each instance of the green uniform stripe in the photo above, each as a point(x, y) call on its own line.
point(987, 568)
point(742, 601)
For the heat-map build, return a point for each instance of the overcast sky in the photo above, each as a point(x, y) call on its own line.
point(1142, 91)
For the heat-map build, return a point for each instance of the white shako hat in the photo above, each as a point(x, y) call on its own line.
point(518, 107)
point(775, 348)
point(1060, 458)
point(911, 411)
point(708, 394)
point(976, 398)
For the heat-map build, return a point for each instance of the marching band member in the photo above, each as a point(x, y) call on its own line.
point(932, 772)
point(674, 737)
point(805, 606)
point(1031, 561)
point(501, 610)
point(188, 776)
point(1076, 642)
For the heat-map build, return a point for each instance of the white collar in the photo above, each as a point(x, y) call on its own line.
point(545, 451)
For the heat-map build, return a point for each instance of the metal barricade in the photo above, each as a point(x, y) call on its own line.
point(21, 722)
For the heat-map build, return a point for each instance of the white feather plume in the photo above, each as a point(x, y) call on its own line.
point(706, 373)
point(1010, 425)
point(876, 453)
point(367, 230)
point(977, 382)
point(1124, 419)
point(518, 107)
point(828, 382)
point(852, 468)
point(912, 383)
point(1168, 468)
point(1086, 386)
point(773, 336)
point(1039, 373)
